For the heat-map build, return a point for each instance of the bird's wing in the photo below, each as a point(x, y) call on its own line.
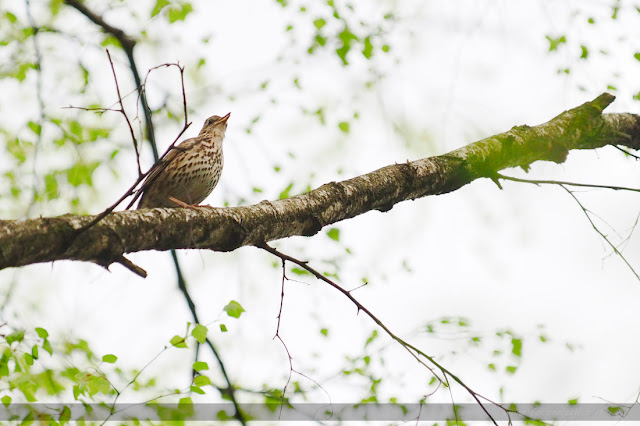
point(159, 166)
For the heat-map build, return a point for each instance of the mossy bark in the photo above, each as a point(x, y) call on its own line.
point(24, 242)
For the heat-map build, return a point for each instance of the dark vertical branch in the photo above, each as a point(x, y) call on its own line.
point(151, 135)
point(128, 44)
point(41, 117)
point(182, 285)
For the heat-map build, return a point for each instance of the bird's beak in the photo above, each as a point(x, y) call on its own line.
point(225, 118)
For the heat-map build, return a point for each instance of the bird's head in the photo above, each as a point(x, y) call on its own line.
point(215, 124)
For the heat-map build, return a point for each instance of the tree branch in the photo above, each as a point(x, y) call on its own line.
point(25, 242)
point(128, 43)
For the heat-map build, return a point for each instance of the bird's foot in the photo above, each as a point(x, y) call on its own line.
point(183, 204)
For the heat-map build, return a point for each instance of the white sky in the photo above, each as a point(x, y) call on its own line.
point(512, 259)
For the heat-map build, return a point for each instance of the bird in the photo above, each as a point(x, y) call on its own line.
point(189, 172)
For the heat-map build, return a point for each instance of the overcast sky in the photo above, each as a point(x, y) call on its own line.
point(524, 258)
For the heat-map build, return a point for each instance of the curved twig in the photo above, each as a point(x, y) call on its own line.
point(415, 352)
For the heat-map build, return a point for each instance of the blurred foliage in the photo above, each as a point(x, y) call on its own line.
point(52, 157)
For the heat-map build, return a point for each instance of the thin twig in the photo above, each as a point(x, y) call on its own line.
point(124, 113)
point(286, 348)
point(564, 185)
point(626, 152)
point(593, 225)
point(410, 348)
point(560, 182)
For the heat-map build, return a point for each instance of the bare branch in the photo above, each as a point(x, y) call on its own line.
point(415, 352)
point(564, 185)
point(124, 113)
point(560, 182)
point(595, 228)
point(128, 43)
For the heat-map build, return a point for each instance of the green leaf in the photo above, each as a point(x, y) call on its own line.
point(47, 347)
point(51, 187)
point(585, 52)
point(110, 358)
point(10, 17)
point(637, 56)
point(42, 332)
point(372, 337)
point(82, 173)
point(299, 271)
point(35, 127)
point(160, 4)
point(6, 400)
point(573, 401)
point(511, 369)
point(285, 194)
point(517, 347)
point(334, 234)
point(98, 384)
point(344, 126)
point(367, 51)
point(346, 37)
point(200, 333)
point(185, 403)
point(554, 43)
point(110, 41)
point(178, 341)
point(34, 351)
point(202, 381)
point(20, 73)
point(76, 392)
point(319, 23)
point(28, 389)
point(234, 309)
point(28, 359)
point(18, 149)
point(324, 332)
point(196, 390)
point(16, 336)
point(55, 6)
point(200, 365)
point(613, 410)
point(65, 415)
point(180, 12)
point(223, 328)
point(492, 367)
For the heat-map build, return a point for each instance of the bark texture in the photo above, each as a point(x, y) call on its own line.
point(24, 242)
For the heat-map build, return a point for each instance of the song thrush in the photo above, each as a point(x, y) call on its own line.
point(190, 171)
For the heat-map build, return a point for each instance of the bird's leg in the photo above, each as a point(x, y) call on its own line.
point(183, 204)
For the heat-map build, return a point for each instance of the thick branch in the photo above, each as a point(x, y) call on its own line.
point(23, 242)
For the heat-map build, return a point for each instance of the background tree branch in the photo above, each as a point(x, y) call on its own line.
point(25, 242)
